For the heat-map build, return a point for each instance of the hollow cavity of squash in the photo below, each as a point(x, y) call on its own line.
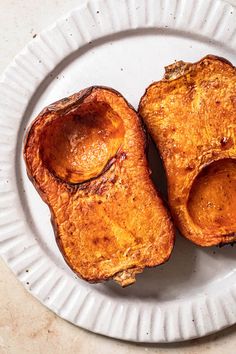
point(212, 198)
point(78, 146)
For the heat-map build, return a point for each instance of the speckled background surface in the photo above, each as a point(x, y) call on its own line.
point(26, 326)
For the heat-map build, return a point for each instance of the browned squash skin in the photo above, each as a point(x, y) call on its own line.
point(191, 115)
point(86, 157)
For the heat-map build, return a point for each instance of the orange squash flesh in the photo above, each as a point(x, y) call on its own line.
point(191, 115)
point(86, 157)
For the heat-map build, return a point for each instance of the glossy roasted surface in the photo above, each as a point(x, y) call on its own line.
point(80, 147)
point(191, 115)
point(86, 157)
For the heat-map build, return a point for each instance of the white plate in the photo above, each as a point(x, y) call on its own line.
point(123, 44)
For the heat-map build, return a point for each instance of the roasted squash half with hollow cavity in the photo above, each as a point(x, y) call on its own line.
point(85, 155)
point(191, 115)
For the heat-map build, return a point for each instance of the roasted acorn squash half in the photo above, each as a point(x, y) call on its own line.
point(85, 155)
point(191, 115)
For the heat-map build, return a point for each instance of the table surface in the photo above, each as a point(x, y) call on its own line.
point(26, 326)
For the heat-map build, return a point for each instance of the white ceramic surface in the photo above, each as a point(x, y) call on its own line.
point(123, 44)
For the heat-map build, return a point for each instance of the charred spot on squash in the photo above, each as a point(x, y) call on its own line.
point(226, 142)
point(212, 198)
point(77, 147)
